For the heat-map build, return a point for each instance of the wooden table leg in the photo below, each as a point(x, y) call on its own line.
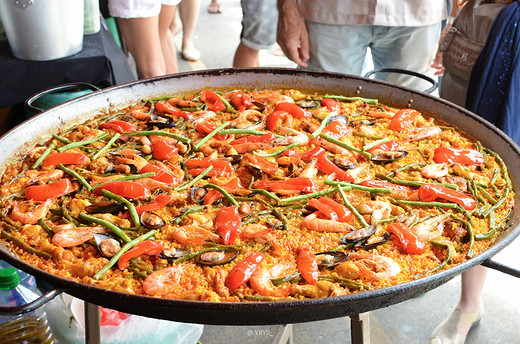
point(284, 335)
point(360, 328)
point(92, 326)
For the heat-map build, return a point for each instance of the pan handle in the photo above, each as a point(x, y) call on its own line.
point(32, 109)
point(501, 267)
point(29, 307)
point(408, 72)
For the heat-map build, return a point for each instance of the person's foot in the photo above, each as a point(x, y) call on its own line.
point(455, 328)
point(215, 8)
point(191, 54)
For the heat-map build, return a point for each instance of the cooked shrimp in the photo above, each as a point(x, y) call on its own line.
point(255, 231)
point(194, 235)
point(217, 276)
point(75, 236)
point(431, 228)
point(371, 266)
point(141, 115)
point(29, 212)
point(424, 133)
point(43, 176)
point(361, 172)
point(310, 170)
point(378, 210)
point(163, 281)
point(334, 148)
point(249, 119)
point(261, 280)
point(183, 103)
point(203, 116)
point(291, 136)
point(313, 223)
point(434, 171)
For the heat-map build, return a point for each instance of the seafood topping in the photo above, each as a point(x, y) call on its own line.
point(174, 253)
point(359, 235)
point(328, 260)
point(216, 257)
point(388, 156)
point(151, 220)
point(105, 207)
point(107, 245)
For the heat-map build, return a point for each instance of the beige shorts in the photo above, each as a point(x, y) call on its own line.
point(137, 8)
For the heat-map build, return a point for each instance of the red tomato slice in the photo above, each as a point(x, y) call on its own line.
point(241, 273)
point(328, 167)
point(207, 128)
point(241, 101)
point(405, 239)
point(458, 156)
point(119, 126)
point(337, 129)
point(158, 203)
point(172, 110)
point(331, 209)
point(146, 247)
point(300, 184)
point(128, 189)
point(268, 137)
point(274, 119)
point(65, 158)
point(404, 118)
point(163, 150)
point(52, 190)
point(431, 192)
point(331, 104)
point(162, 173)
point(228, 224)
point(212, 100)
point(293, 109)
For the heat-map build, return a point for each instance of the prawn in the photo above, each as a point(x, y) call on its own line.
point(291, 136)
point(260, 280)
point(313, 223)
point(434, 171)
point(163, 281)
point(310, 171)
point(371, 266)
point(28, 212)
point(431, 228)
point(194, 235)
point(43, 176)
point(75, 236)
point(378, 210)
point(218, 277)
point(424, 133)
point(141, 115)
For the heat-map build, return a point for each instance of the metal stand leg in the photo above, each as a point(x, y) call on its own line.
point(92, 326)
point(283, 335)
point(360, 328)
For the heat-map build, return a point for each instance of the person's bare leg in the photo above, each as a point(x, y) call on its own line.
point(471, 291)
point(142, 40)
point(167, 46)
point(246, 57)
point(189, 14)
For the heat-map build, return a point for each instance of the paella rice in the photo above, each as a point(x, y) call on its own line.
point(254, 195)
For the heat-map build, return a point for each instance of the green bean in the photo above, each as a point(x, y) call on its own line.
point(9, 220)
point(159, 133)
point(241, 131)
point(478, 198)
point(353, 99)
point(322, 125)
point(268, 194)
point(406, 167)
point(359, 187)
point(483, 191)
point(492, 226)
point(351, 207)
point(254, 216)
point(450, 252)
point(266, 248)
point(65, 213)
point(194, 180)
point(24, 246)
point(192, 255)
point(345, 282)
point(195, 209)
point(9, 228)
point(471, 233)
point(116, 230)
point(278, 152)
point(251, 199)
point(129, 244)
point(375, 143)
point(127, 178)
point(137, 272)
point(42, 157)
point(498, 203)
point(61, 139)
point(496, 173)
point(308, 196)
point(105, 147)
point(223, 247)
point(422, 219)
point(143, 267)
point(42, 224)
point(224, 192)
point(503, 166)
point(229, 107)
point(415, 184)
point(345, 145)
point(430, 204)
point(210, 135)
point(281, 217)
point(76, 175)
point(291, 278)
point(81, 143)
point(129, 205)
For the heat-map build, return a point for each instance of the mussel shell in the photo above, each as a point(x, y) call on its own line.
point(344, 164)
point(161, 125)
point(103, 207)
point(197, 194)
point(357, 122)
point(373, 242)
point(174, 253)
point(101, 239)
point(387, 158)
point(151, 220)
point(329, 259)
point(338, 118)
point(308, 104)
point(234, 159)
point(358, 235)
point(216, 257)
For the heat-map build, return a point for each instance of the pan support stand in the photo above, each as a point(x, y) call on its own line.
point(359, 328)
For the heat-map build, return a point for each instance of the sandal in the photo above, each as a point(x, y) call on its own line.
point(447, 332)
point(215, 8)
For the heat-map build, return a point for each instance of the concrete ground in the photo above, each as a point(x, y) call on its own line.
point(217, 36)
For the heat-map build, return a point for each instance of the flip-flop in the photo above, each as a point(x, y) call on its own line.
point(215, 8)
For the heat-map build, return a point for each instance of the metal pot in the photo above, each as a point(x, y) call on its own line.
point(40, 127)
point(43, 30)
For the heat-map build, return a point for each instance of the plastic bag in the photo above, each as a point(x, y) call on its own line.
point(66, 319)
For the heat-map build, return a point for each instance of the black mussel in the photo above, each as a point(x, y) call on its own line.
point(235, 159)
point(259, 105)
point(338, 118)
point(151, 220)
point(328, 260)
point(105, 207)
point(344, 163)
point(216, 257)
point(374, 241)
point(107, 245)
point(161, 125)
point(308, 104)
point(359, 235)
point(255, 171)
point(357, 122)
point(174, 253)
point(388, 156)
point(197, 194)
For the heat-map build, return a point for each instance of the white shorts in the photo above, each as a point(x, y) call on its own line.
point(137, 8)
